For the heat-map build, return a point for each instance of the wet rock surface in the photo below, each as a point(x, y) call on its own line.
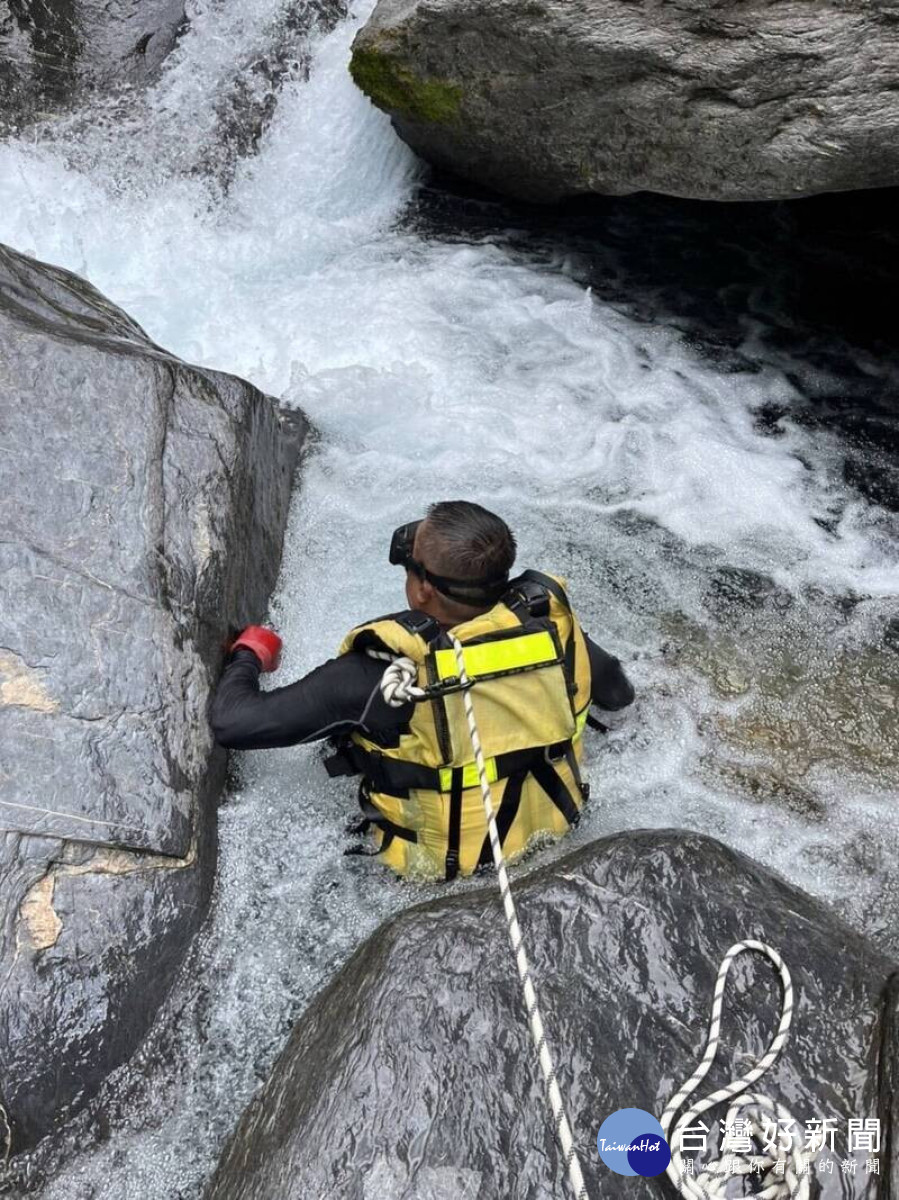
point(142, 513)
point(557, 98)
point(804, 710)
point(413, 1075)
point(54, 51)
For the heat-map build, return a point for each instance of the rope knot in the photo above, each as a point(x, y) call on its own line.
point(399, 683)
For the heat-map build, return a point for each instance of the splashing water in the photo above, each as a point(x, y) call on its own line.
point(714, 560)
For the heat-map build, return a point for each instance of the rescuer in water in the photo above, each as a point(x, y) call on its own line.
point(533, 674)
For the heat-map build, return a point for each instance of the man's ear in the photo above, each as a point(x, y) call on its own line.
point(424, 592)
point(414, 594)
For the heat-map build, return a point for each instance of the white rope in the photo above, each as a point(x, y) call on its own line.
point(792, 1178)
point(554, 1095)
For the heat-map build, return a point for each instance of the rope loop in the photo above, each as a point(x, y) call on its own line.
point(785, 1175)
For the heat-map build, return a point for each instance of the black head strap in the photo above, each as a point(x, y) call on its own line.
point(469, 591)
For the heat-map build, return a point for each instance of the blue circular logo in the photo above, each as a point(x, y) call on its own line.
point(631, 1142)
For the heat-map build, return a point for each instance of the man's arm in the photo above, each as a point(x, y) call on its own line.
point(610, 688)
point(340, 695)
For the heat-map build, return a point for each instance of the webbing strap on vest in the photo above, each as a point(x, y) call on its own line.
point(396, 776)
point(371, 815)
point(554, 786)
point(551, 585)
point(505, 816)
point(530, 593)
point(571, 759)
point(454, 834)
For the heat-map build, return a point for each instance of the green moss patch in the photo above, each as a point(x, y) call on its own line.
point(398, 90)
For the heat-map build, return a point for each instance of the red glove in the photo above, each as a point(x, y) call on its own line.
point(264, 643)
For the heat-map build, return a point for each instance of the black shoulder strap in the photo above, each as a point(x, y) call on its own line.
point(412, 621)
point(551, 585)
point(454, 830)
point(527, 599)
point(531, 591)
point(425, 626)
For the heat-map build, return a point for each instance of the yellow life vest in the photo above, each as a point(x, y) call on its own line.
point(530, 686)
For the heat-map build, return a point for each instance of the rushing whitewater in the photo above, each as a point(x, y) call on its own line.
point(744, 584)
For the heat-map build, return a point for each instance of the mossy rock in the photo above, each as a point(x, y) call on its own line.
point(401, 92)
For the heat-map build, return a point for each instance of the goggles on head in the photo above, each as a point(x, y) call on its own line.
point(467, 591)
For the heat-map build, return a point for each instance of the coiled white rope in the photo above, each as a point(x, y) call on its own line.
point(398, 683)
point(784, 1174)
point(398, 688)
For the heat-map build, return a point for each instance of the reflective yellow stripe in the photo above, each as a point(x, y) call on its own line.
point(507, 654)
point(469, 775)
point(470, 770)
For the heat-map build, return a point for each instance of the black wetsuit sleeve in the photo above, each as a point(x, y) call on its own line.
point(610, 688)
point(340, 695)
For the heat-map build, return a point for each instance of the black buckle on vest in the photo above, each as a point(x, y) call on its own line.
point(420, 623)
point(340, 764)
point(529, 594)
point(451, 683)
point(373, 771)
point(556, 752)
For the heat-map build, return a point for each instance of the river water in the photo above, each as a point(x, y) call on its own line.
point(690, 412)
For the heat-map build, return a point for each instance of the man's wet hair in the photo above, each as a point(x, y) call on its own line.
point(462, 540)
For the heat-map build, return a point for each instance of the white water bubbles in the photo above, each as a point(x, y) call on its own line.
point(216, 94)
point(229, 282)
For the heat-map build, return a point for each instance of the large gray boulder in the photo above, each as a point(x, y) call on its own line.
point(53, 50)
point(142, 509)
point(412, 1076)
point(712, 99)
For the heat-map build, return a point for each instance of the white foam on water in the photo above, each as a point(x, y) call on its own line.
point(431, 369)
point(298, 271)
